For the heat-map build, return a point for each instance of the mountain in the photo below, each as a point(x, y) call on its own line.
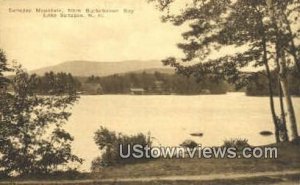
point(88, 68)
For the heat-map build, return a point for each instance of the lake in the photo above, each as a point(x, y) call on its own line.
point(171, 119)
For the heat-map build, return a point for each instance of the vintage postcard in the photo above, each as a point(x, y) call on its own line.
point(150, 92)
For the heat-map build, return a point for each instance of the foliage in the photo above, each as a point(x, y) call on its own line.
point(258, 84)
point(51, 84)
point(32, 139)
point(3, 68)
point(236, 143)
point(109, 144)
point(219, 23)
point(189, 144)
point(168, 83)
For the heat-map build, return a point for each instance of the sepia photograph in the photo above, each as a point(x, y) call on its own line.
point(149, 92)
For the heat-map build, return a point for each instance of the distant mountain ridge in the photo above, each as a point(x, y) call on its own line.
point(88, 68)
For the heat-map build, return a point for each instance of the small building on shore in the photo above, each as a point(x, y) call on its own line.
point(158, 87)
point(137, 91)
point(92, 89)
point(205, 91)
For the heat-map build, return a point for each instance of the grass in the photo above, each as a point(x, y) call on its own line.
point(274, 180)
point(288, 159)
point(279, 180)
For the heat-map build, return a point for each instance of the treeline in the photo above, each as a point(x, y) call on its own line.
point(56, 83)
point(156, 83)
point(150, 83)
point(258, 84)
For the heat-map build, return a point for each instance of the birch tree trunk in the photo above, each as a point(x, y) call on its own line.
point(288, 99)
point(278, 22)
point(283, 119)
point(271, 94)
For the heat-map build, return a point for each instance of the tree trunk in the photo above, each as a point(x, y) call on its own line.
point(270, 86)
point(283, 120)
point(288, 99)
point(278, 23)
point(272, 106)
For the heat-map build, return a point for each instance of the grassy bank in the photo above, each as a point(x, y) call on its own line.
point(288, 159)
point(287, 179)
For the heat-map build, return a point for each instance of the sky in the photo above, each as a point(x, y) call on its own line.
point(36, 41)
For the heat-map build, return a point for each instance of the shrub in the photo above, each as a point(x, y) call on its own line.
point(189, 144)
point(237, 143)
point(109, 144)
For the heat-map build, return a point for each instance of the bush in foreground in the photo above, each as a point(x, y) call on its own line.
point(189, 144)
point(109, 144)
point(237, 143)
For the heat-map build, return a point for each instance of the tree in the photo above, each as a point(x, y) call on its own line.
point(51, 82)
point(218, 23)
point(3, 68)
point(110, 142)
point(278, 20)
point(32, 138)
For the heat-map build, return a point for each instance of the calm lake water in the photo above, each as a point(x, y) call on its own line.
point(171, 119)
